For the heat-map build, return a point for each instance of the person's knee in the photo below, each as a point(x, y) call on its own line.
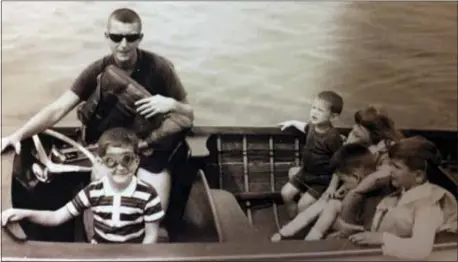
point(305, 201)
point(288, 192)
point(293, 171)
point(333, 207)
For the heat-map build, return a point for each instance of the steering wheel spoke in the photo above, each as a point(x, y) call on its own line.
point(60, 168)
point(55, 168)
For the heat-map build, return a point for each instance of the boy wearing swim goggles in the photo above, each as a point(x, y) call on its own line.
point(125, 209)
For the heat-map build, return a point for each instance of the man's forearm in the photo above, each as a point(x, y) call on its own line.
point(48, 116)
point(41, 121)
point(184, 108)
point(172, 124)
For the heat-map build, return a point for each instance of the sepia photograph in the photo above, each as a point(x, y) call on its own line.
point(229, 130)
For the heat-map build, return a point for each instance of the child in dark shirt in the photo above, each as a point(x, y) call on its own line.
point(314, 176)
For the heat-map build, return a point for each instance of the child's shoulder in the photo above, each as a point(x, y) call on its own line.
point(94, 185)
point(333, 133)
point(144, 187)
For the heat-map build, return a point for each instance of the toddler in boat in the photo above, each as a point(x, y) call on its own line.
point(311, 180)
point(353, 162)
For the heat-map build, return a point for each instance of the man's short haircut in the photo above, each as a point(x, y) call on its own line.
point(117, 137)
point(126, 15)
point(353, 156)
point(335, 101)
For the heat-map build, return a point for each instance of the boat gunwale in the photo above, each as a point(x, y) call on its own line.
point(198, 252)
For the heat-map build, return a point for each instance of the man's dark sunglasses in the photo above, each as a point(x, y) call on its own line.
point(130, 38)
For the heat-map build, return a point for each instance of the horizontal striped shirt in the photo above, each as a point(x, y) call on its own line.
point(118, 217)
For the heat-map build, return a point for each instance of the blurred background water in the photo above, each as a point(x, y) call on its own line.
point(249, 63)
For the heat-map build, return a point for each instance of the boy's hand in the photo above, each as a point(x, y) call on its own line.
point(292, 123)
point(328, 194)
point(12, 215)
point(339, 194)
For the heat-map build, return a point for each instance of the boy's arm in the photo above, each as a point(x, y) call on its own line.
point(41, 217)
point(151, 232)
point(374, 180)
point(153, 214)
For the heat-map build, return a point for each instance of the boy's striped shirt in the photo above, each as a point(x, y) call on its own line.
point(118, 217)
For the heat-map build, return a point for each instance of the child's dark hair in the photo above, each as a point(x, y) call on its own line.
point(335, 101)
point(416, 152)
point(352, 156)
point(379, 125)
point(117, 137)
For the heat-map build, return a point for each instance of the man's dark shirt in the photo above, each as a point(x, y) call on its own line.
point(152, 71)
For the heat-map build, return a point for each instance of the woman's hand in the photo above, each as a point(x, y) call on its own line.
point(367, 238)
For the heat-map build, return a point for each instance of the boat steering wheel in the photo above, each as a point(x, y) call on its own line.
point(45, 174)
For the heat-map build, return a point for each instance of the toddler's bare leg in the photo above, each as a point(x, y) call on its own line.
point(325, 221)
point(288, 193)
point(304, 202)
point(303, 219)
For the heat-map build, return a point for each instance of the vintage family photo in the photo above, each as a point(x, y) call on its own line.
point(229, 131)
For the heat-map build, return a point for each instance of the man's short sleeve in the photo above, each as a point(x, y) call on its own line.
point(172, 83)
point(85, 84)
point(153, 208)
point(80, 202)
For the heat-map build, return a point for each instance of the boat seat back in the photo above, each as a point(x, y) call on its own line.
point(198, 223)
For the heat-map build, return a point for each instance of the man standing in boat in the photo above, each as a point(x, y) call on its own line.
point(153, 72)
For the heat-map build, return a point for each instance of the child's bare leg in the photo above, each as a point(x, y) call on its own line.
point(288, 193)
point(305, 201)
point(325, 221)
point(303, 219)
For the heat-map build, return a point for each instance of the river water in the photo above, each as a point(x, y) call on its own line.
point(249, 63)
